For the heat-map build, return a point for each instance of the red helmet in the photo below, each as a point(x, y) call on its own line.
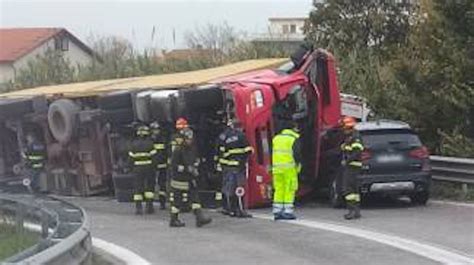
point(181, 123)
point(348, 123)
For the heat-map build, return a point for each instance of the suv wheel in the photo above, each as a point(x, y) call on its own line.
point(335, 195)
point(420, 198)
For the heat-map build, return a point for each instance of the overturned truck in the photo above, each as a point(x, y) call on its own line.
point(86, 126)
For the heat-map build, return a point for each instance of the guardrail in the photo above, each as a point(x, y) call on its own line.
point(64, 227)
point(453, 169)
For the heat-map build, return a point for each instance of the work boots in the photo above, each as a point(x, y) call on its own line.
point(162, 200)
point(201, 219)
point(149, 207)
point(357, 211)
point(239, 210)
point(225, 206)
point(175, 222)
point(138, 208)
point(351, 214)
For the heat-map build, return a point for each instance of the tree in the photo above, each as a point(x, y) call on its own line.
point(48, 69)
point(343, 25)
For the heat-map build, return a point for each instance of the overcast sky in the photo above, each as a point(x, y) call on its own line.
point(135, 20)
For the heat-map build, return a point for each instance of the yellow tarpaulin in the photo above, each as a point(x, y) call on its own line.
point(153, 81)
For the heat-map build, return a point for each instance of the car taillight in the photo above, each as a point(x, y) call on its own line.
point(365, 155)
point(420, 153)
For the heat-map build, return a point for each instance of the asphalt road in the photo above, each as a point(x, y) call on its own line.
point(260, 241)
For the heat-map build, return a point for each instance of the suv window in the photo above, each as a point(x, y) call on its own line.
point(397, 139)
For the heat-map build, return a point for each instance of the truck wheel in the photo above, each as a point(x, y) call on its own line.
point(420, 198)
point(115, 100)
point(335, 197)
point(62, 119)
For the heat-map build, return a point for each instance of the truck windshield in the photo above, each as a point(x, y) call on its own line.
point(286, 68)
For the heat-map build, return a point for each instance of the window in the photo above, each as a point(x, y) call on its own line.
point(292, 28)
point(61, 44)
point(285, 29)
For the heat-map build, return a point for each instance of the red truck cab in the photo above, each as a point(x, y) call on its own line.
point(305, 90)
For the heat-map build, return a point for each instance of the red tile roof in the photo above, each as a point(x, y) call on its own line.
point(17, 42)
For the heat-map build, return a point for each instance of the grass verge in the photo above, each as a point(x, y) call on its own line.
point(452, 191)
point(13, 241)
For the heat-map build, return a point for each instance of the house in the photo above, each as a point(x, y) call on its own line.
point(284, 32)
point(20, 45)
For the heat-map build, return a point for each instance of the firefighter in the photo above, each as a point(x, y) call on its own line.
point(181, 123)
point(351, 163)
point(161, 145)
point(233, 154)
point(141, 155)
point(35, 160)
point(286, 158)
point(183, 184)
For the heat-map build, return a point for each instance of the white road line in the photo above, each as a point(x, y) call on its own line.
point(121, 253)
point(432, 252)
point(463, 204)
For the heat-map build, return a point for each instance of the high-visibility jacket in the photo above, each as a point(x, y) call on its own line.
point(35, 156)
point(283, 153)
point(141, 152)
point(352, 149)
point(233, 149)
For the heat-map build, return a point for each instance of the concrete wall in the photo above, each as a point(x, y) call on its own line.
point(74, 54)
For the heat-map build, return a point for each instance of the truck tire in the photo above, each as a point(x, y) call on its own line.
point(118, 116)
point(62, 119)
point(115, 100)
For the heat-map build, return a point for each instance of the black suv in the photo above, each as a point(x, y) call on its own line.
point(395, 162)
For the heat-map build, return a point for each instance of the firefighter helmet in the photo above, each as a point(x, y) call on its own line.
point(181, 123)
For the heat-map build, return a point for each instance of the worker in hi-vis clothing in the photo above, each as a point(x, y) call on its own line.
point(141, 155)
point(286, 165)
point(351, 163)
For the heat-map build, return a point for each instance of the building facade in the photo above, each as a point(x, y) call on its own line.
point(18, 46)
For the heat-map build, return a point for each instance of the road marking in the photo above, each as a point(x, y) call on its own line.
point(463, 204)
point(432, 252)
point(121, 253)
